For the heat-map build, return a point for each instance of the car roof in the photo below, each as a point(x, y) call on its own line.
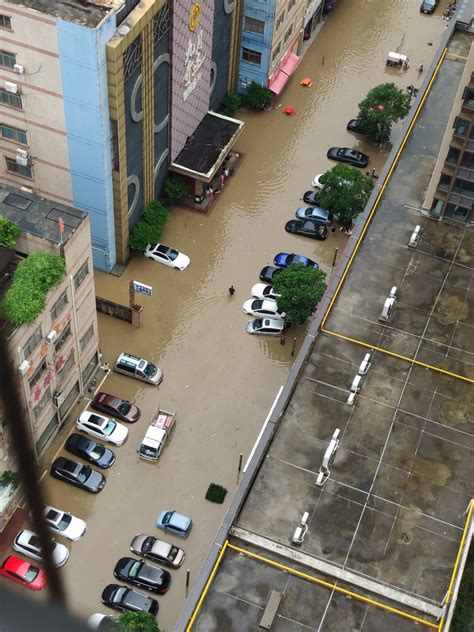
point(66, 464)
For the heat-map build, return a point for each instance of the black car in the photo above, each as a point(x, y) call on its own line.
point(428, 6)
point(77, 474)
point(355, 126)
point(123, 598)
point(349, 156)
point(90, 450)
point(311, 197)
point(268, 272)
point(143, 575)
point(307, 228)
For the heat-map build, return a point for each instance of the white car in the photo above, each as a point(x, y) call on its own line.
point(317, 184)
point(64, 523)
point(27, 543)
point(99, 621)
point(262, 290)
point(266, 326)
point(169, 256)
point(261, 308)
point(102, 427)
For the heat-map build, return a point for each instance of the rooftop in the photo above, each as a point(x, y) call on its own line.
point(390, 517)
point(86, 12)
point(39, 216)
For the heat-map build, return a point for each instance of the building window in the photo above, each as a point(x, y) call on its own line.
point(46, 435)
point(8, 98)
point(463, 187)
point(63, 338)
point(468, 97)
point(67, 366)
point(468, 160)
point(5, 22)
point(276, 52)
point(86, 337)
point(444, 182)
point(7, 60)
point(59, 306)
point(11, 133)
point(20, 170)
point(279, 21)
point(252, 56)
point(37, 374)
point(460, 127)
point(81, 274)
point(437, 207)
point(453, 156)
point(32, 342)
point(43, 402)
point(254, 26)
point(454, 211)
point(288, 33)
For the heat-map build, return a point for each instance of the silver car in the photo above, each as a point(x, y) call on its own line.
point(138, 368)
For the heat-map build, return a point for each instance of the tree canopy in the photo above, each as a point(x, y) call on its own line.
point(9, 232)
point(301, 288)
point(148, 229)
point(346, 191)
point(137, 622)
point(384, 105)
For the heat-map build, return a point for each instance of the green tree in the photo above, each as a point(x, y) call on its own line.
point(148, 229)
point(346, 191)
point(301, 288)
point(463, 619)
point(175, 187)
point(9, 232)
point(384, 105)
point(257, 97)
point(137, 622)
point(231, 102)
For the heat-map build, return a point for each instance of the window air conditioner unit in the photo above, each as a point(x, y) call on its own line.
point(11, 87)
point(19, 69)
point(52, 336)
point(58, 399)
point(24, 367)
point(22, 157)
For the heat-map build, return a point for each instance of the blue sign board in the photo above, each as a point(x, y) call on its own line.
point(141, 288)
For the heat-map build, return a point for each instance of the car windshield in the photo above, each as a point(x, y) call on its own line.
point(110, 427)
point(149, 370)
point(84, 474)
point(97, 452)
point(257, 324)
point(257, 304)
point(134, 569)
point(124, 408)
point(167, 517)
point(172, 254)
point(31, 574)
point(64, 522)
point(173, 553)
point(147, 543)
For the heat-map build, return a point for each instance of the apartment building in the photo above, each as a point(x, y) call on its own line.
point(56, 356)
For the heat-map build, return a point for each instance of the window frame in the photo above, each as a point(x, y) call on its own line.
point(251, 52)
point(27, 349)
point(66, 367)
point(86, 337)
point(36, 377)
point(10, 100)
point(42, 403)
point(80, 277)
point(276, 52)
point(15, 138)
point(5, 55)
point(63, 338)
point(5, 22)
point(288, 33)
point(62, 301)
point(18, 170)
point(259, 23)
point(280, 20)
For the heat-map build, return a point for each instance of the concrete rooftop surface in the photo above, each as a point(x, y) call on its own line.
point(391, 515)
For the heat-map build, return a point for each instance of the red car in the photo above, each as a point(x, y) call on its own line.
point(24, 573)
point(116, 407)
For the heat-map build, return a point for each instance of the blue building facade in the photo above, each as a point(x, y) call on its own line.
point(255, 50)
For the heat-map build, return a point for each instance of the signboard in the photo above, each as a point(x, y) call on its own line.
point(141, 288)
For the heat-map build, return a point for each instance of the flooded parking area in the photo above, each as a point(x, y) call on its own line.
point(220, 380)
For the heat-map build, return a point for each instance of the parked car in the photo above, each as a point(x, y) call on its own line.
point(102, 427)
point(354, 126)
point(169, 256)
point(349, 156)
point(284, 260)
point(175, 523)
point(116, 407)
point(262, 290)
point(311, 197)
point(143, 575)
point(268, 273)
point(63, 523)
point(102, 623)
point(123, 598)
point(157, 550)
point(138, 368)
point(27, 543)
point(317, 181)
point(324, 218)
point(428, 6)
point(89, 450)
point(258, 307)
point(22, 572)
point(307, 228)
point(78, 475)
point(265, 326)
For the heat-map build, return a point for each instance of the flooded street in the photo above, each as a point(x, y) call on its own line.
point(220, 380)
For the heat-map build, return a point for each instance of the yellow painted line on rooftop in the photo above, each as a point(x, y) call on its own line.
point(362, 235)
point(344, 591)
point(457, 56)
point(206, 587)
point(458, 556)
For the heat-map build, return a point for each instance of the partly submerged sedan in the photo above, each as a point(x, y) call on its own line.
point(307, 228)
point(268, 272)
point(323, 217)
point(348, 156)
point(157, 550)
point(143, 575)
point(168, 256)
point(261, 308)
point(123, 598)
point(262, 290)
point(284, 260)
point(175, 523)
point(265, 326)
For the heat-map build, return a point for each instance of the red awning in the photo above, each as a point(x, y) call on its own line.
point(285, 71)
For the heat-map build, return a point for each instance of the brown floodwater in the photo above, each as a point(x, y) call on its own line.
point(220, 380)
